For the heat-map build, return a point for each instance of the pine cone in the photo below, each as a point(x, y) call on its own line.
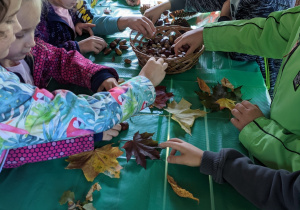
point(144, 8)
point(182, 13)
point(181, 22)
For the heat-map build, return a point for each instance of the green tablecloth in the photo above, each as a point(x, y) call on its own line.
point(40, 185)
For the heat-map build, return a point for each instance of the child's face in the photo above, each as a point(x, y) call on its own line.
point(9, 25)
point(29, 17)
point(67, 4)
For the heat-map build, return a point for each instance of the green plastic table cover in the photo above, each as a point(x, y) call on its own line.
point(40, 185)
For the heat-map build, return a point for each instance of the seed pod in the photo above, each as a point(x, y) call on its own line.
point(123, 47)
point(124, 126)
point(118, 51)
point(107, 51)
point(117, 40)
point(127, 60)
point(123, 42)
point(113, 44)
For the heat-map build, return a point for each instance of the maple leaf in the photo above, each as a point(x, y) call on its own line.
point(226, 103)
point(225, 82)
point(180, 191)
point(182, 114)
point(141, 146)
point(101, 160)
point(161, 97)
point(89, 195)
point(203, 86)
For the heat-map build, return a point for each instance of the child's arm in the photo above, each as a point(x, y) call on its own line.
point(264, 187)
point(30, 115)
point(68, 67)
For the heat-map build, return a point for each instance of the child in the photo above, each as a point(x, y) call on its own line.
point(264, 187)
point(236, 10)
point(54, 28)
point(274, 141)
point(33, 116)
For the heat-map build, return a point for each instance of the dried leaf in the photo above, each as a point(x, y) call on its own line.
point(89, 196)
point(226, 103)
point(182, 114)
point(161, 97)
point(141, 146)
point(67, 197)
point(225, 82)
point(180, 191)
point(101, 160)
point(203, 86)
point(89, 206)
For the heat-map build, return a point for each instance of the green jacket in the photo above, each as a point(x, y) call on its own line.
point(275, 141)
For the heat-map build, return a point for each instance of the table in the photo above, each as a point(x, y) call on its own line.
point(40, 185)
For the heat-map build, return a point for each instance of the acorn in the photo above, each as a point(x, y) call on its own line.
point(117, 40)
point(123, 47)
point(113, 44)
point(123, 42)
point(127, 60)
point(107, 51)
point(118, 51)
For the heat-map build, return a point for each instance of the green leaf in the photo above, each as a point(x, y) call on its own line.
point(89, 206)
point(67, 196)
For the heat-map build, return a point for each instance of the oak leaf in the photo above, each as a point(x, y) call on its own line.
point(182, 114)
point(161, 97)
point(203, 86)
point(141, 146)
point(101, 160)
point(226, 103)
point(180, 191)
point(89, 195)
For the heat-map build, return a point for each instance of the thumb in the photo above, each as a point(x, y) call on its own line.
point(79, 31)
point(90, 31)
point(174, 159)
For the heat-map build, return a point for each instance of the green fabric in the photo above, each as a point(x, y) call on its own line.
point(40, 185)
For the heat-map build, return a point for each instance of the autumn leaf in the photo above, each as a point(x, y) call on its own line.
point(101, 160)
point(225, 82)
point(161, 97)
point(203, 86)
point(89, 196)
point(88, 206)
point(226, 103)
point(68, 196)
point(182, 114)
point(141, 146)
point(180, 191)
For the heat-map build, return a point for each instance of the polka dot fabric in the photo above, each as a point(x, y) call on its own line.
point(48, 151)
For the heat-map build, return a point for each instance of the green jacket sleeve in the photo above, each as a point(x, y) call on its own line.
point(256, 36)
point(273, 145)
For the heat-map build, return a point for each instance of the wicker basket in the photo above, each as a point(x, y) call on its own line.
point(175, 65)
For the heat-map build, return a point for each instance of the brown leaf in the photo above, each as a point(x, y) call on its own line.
point(182, 114)
point(161, 97)
point(101, 160)
point(141, 146)
point(203, 86)
point(89, 196)
point(225, 82)
point(180, 191)
point(226, 103)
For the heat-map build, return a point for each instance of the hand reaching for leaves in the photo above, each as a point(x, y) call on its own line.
point(189, 154)
point(80, 27)
point(114, 132)
point(108, 84)
point(92, 44)
point(245, 113)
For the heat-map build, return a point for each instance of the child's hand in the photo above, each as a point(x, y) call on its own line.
point(189, 154)
point(137, 23)
point(154, 13)
point(84, 27)
point(245, 113)
point(193, 38)
point(108, 135)
point(92, 44)
point(154, 70)
point(108, 84)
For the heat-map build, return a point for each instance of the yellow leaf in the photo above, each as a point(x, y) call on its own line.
point(89, 196)
point(225, 82)
point(101, 160)
point(182, 114)
point(180, 191)
point(226, 103)
point(203, 86)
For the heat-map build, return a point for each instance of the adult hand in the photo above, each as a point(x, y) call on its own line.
point(245, 113)
point(154, 13)
point(137, 23)
point(108, 84)
point(92, 44)
point(108, 135)
point(80, 27)
point(193, 38)
point(154, 70)
point(189, 154)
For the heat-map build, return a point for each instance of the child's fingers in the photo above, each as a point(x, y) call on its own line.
point(174, 159)
point(240, 107)
point(160, 61)
point(173, 152)
point(90, 31)
point(247, 104)
point(151, 59)
point(236, 113)
point(149, 22)
point(117, 127)
point(191, 50)
point(165, 66)
point(173, 145)
point(176, 140)
point(235, 122)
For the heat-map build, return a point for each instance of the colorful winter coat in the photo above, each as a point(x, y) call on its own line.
point(275, 141)
point(56, 31)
